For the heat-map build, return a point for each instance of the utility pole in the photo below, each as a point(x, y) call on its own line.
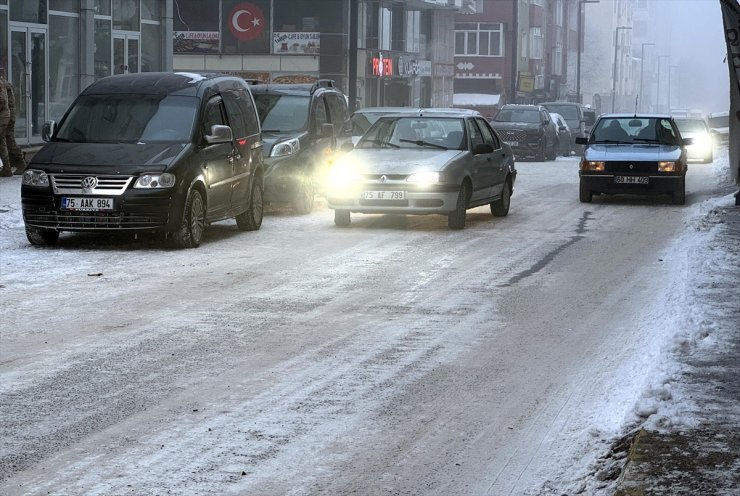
point(614, 71)
point(642, 64)
point(352, 69)
point(580, 47)
point(657, 98)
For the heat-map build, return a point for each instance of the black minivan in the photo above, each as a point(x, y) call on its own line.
point(148, 152)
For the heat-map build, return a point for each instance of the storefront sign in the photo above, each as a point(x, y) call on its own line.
point(196, 41)
point(526, 83)
point(412, 67)
point(381, 66)
point(295, 42)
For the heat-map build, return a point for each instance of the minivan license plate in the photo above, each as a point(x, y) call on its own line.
point(383, 195)
point(632, 179)
point(86, 204)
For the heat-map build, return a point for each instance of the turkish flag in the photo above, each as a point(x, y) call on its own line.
point(246, 28)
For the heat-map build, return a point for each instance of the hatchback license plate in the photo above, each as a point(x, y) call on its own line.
point(383, 195)
point(632, 179)
point(87, 204)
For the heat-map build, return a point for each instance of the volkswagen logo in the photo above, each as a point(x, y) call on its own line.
point(383, 179)
point(89, 182)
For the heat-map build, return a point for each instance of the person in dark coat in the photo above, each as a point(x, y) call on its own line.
point(10, 153)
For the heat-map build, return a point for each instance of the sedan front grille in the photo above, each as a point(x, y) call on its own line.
point(71, 184)
point(625, 167)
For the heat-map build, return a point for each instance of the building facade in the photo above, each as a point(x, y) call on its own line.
point(51, 49)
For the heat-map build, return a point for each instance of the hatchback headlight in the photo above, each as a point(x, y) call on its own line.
point(592, 165)
point(35, 178)
point(155, 181)
point(424, 178)
point(667, 166)
point(285, 148)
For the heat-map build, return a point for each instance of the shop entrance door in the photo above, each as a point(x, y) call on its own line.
point(27, 71)
point(125, 53)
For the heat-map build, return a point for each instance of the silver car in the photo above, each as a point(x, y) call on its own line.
point(430, 162)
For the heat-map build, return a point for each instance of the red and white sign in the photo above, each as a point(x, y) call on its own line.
point(246, 21)
point(382, 66)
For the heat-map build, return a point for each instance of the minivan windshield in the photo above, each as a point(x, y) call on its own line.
point(129, 118)
point(518, 115)
point(282, 113)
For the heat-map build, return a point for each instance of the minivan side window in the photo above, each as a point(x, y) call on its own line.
point(338, 111)
point(242, 114)
point(319, 116)
point(213, 115)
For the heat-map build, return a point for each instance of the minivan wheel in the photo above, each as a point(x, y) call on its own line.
point(342, 218)
point(303, 201)
point(500, 207)
point(584, 194)
point(251, 218)
point(42, 237)
point(456, 218)
point(193, 223)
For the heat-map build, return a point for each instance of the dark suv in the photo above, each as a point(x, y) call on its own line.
point(528, 130)
point(148, 152)
point(302, 125)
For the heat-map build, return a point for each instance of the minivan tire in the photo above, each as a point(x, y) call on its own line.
point(190, 233)
point(251, 218)
point(42, 237)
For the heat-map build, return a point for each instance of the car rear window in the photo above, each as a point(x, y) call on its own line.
point(569, 112)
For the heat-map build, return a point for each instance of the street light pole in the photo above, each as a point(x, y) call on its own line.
point(580, 47)
point(614, 70)
point(657, 98)
point(642, 64)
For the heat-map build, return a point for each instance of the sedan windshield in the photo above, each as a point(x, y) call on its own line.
point(415, 132)
point(127, 118)
point(281, 113)
point(518, 115)
point(640, 130)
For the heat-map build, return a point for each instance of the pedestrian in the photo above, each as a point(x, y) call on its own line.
point(10, 153)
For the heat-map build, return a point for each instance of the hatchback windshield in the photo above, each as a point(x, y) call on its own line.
point(127, 118)
point(569, 112)
point(641, 130)
point(691, 125)
point(518, 115)
point(282, 113)
point(415, 132)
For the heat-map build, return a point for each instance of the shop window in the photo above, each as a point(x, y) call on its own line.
point(151, 47)
point(102, 48)
point(370, 25)
point(28, 11)
point(126, 15)
point(195, 26)
point(64, 6)
point(64, 63)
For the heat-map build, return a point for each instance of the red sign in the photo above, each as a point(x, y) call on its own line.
point(246, 21)
point(382, 66)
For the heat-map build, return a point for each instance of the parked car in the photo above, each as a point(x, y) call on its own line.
point(148, 152)
point(432, 162)
point(302, 126)
point(634, 154)
point(564, 134)
point(702, 147)
point(528, 130)
point(589, 118)
point(719, 123)
point(573, 114)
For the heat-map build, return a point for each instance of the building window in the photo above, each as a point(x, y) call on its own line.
point(126, 15)
point(102, 48)
point(28, 11)
point(151, 41)
point(64, 63)
point(483, 39)
point(536, 43)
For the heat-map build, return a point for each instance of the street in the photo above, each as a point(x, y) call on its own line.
point(393, 356)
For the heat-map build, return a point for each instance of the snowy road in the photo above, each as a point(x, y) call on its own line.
point(390, 357)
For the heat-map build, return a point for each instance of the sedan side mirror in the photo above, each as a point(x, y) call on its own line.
point(581, 140)
point(219, 134)
point(687, 141)
point(482, 149)
point(47, 131)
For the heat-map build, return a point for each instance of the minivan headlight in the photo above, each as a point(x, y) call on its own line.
point(33, 177)
point(285, 148)
point(154, 181)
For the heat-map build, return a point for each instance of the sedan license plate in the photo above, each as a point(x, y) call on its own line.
point(632, 179)
point(87, 204)
point(512, 143)
point(383, 195)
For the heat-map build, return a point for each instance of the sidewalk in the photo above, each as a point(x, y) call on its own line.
point(704, 457)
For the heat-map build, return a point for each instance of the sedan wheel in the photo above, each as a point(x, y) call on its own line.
point(456, 218)
point(193, 223)
point(679, 196)
point(500, 207)
point(303, 202)
point(584, 194)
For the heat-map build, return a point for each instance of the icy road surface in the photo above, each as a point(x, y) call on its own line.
point(390, 357)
